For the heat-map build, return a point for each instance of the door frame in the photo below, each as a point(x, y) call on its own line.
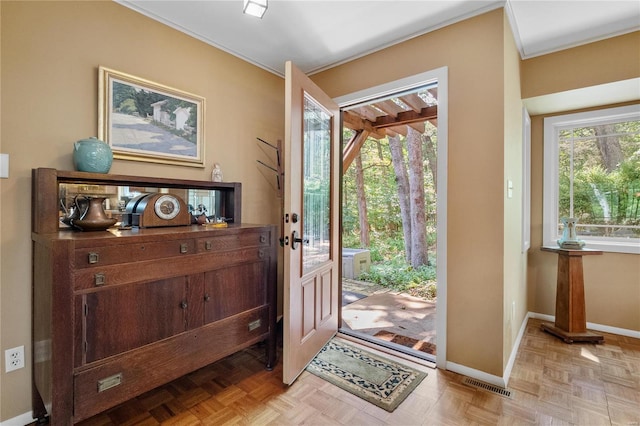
point(441, 76)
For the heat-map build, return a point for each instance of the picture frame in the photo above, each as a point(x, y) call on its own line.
point(150, 122)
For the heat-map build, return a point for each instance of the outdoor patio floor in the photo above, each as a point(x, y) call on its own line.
point(378, 310)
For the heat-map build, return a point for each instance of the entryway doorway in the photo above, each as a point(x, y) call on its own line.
point(394, 216)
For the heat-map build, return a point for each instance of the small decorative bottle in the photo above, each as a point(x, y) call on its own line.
point(216, 173)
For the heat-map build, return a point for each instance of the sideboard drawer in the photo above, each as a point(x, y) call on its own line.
point(233, 242)
point(110, 255)
point(132, 272)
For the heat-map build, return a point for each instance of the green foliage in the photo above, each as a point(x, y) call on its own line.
point(400, 276)
point(122, 92)
point(383, 208)
point(601, 197)
point(389, 267)
point(127, 107)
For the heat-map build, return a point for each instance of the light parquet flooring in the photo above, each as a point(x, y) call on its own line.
point(552, 383)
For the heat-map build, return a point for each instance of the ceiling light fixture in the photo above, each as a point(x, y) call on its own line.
point(255, 8)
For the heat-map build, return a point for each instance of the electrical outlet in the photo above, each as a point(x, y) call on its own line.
point(14, 358)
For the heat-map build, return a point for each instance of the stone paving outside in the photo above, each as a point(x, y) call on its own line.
point(384, 310)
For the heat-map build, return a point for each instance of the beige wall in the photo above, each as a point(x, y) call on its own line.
point(614, 59)
point(612, 281)
point(473, 52)
point(50, 53)
point(515, 261)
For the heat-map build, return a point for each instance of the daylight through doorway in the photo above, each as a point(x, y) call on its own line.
point(389, 227)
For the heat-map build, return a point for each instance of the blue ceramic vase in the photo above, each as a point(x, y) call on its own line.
point(92, 155)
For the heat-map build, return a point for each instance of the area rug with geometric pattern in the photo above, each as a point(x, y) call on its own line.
point(375, 379)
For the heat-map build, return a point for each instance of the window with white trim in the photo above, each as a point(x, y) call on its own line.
point(592, 173)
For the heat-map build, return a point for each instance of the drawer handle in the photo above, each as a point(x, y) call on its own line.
point(263, 239)
point(100, 279)
point(109, 382)
point(261, 254)
point(184, 247)
point(207, 297)
point(93, 258)
point(183, 304)
point(255, 324)
point(208, 245)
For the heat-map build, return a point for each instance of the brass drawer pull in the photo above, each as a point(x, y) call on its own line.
point(263, 239)
point(208, 245)
point(109, 382)
point(261, 254)
point(207, 297)
point(255, 324)
point(183, 304)
point(93, 258)
point(100, 279)
point(184, 247)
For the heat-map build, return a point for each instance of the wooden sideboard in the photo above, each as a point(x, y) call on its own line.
point(119, 312)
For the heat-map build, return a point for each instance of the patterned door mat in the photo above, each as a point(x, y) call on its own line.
point(410, 342)
point(371, 377)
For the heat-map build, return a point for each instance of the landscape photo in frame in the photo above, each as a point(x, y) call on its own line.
point(146, 121)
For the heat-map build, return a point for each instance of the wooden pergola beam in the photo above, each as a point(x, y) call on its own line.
point(352, 148)
point(406, 117)
point(414, 101)
point(356, 123)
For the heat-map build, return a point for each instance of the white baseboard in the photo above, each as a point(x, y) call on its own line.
point(514, 351)
point(490, 378)
point(593, 326)
point(476, 374)
point(504, 380)
point(21, 420)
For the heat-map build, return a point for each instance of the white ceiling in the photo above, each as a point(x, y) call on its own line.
point(317, 35)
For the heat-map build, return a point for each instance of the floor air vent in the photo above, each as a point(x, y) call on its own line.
point(486, 386)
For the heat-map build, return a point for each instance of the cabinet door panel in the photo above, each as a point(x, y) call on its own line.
point(235, 289)
point(124, 318)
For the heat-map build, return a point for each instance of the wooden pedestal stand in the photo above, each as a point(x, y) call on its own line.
point(571, 323)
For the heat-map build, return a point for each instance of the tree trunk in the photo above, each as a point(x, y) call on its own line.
point(432, 159)
point(379, 145)
point(362, 204)
point(419, 255)
point(609, 146)
point(402, 180)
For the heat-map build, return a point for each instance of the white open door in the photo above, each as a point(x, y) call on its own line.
point(311, 209)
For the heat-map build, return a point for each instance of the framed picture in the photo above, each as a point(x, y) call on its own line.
point(146, 121)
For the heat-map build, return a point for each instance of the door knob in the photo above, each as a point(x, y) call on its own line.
point(295, 240)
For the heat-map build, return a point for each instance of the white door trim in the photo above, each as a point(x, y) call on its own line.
point(441, 76)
